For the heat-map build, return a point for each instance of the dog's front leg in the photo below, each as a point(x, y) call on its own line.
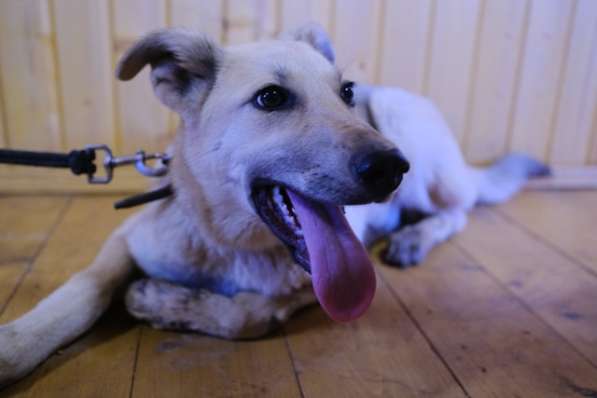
point(411, 244)
point(245, 315)
point(65, 314)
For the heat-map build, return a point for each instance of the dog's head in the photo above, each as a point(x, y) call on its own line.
point(271, 143)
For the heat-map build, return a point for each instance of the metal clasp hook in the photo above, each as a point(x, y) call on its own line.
point(159, 170)
point(138, 159)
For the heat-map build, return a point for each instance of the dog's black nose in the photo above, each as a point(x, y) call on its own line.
point(380, 172)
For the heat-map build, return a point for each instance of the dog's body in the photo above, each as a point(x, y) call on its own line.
point(440, 186)
point(213, 264)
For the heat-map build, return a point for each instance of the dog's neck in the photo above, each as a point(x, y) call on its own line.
point(213, 224)
point(189, 196)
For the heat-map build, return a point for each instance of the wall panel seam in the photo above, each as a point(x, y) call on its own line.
point(590, 159)
point(563, 68)
point(518, 75)
point(225, 21)
point(473, 75)
point(278, 16)
point(428, 47)
point(57, 75)
point(592, 142)
point(332, 20)
point(4, 119)
point(379, 42)
point(168, 12)
point(117, 133)
point(591, 148)
point(3, 115)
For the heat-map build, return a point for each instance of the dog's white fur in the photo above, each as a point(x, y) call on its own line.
point(209, 231)
point(440, 184)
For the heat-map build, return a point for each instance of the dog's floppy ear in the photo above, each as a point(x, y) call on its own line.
point(316, 36)
point(183, 64)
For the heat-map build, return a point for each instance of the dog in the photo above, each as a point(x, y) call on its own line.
point(273, 144)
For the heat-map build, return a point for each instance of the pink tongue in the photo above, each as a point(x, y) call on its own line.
point(343, 277)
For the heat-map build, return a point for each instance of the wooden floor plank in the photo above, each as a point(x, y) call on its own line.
point(382, 354)
point(495, 346)
point(568, 220)
point(11, 273)
point(26, 223)
point(188, 365)
point(101, 363)
point(551, 284)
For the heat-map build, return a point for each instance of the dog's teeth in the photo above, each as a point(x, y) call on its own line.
point(279, 199)
point(277, 195)
point(285, 211)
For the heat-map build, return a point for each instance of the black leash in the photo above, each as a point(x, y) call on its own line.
point(79, 162)
point(83, 162)
point(142, 198)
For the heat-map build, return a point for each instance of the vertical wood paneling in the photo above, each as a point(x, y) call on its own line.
point(143, 120)
point(578, 99)
point(593, 151)
point(451, 63)
point(507, 74)
point(545, 52)
point(3, 133)
point(203, 15)
point(249, 20)
point(356, 34)
point(28, 75)
point(85, 67)
point(406, 32)
point(295, 13)
point(499, 51)
point(241, 18)
point(266, 25)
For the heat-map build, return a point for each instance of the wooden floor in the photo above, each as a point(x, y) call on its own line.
point(506, 309)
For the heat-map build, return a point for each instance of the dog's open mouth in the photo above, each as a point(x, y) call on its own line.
point(321, 241)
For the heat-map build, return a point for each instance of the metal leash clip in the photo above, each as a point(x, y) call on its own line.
point(138, 159)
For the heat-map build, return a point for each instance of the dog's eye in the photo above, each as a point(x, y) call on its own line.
point(271, 98)
point(347, 94)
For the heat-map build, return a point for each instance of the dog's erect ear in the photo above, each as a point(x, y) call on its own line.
point(183, 64)
point(315, 35)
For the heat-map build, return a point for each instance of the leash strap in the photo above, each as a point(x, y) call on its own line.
point(83, 162)
point(79, 162)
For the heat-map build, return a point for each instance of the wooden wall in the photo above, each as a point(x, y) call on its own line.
point(508, 74)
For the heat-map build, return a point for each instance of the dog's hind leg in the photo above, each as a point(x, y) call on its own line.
point(245, 315)
point(410, 245)
point(65, 314)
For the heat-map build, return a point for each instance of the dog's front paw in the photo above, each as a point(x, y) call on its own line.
point(406, 247)
point(163, 304)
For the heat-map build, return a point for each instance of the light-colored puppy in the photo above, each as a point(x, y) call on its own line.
point(269, 151)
